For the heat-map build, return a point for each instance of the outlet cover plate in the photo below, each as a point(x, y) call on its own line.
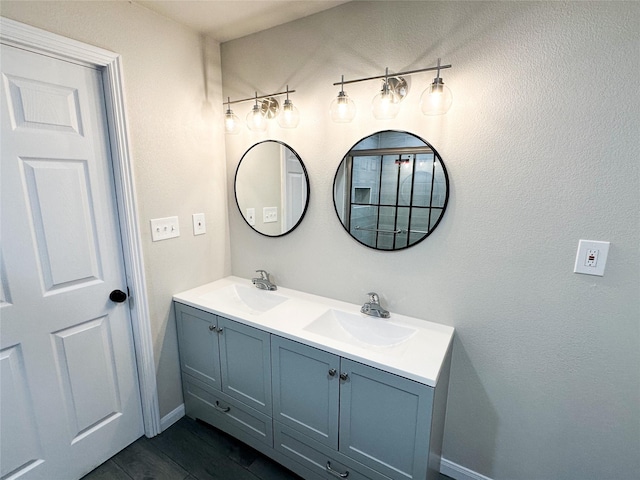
point(591, 257)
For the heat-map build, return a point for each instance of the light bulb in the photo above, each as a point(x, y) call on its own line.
point(384, 106)
point(256, 121)
point(342, 108)
point(436, 99)
point(231, 123)
point(289, 117)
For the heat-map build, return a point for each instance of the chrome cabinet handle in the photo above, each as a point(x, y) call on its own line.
point(332, 372)
point(222, 409)
point(336, 473)
point(343, 376)
point(219, 329)
point(212, 328)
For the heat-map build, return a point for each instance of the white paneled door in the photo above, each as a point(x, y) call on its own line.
point(69, 395)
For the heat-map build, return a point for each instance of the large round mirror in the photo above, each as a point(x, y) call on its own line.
point(391, 190)
point(272, 188)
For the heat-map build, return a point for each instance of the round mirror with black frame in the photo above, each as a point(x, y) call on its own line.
point(271, 188)
point(391, 190)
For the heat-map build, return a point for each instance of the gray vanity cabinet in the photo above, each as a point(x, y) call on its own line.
point(385, 421)
point(377, 419)
point(226, 373)
point(198, 340)
point(306, 390)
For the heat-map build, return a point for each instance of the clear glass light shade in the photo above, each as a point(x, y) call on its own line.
point(342, 108)
point(436, 99)
point(256, 121)
point(289, 117)
point(231, 123)
point(385, 106)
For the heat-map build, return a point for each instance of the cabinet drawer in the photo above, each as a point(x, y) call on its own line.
point(318, 458)
point(226, 413)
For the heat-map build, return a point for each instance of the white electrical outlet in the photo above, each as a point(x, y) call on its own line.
point(591, 257)
point(164, 228)
point(251, 216)
point(270, 214)
point(199, 226)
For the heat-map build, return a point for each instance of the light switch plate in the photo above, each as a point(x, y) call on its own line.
point(199, 226)
point(164, 228)
point(251, 216)
point(591, 257)
point(270, 214)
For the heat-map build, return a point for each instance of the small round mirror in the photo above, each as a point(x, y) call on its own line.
point(391, 190)
point(271, 188)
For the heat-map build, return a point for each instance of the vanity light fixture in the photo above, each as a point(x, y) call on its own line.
point(256, 119)
point(435, 100)
point(289, 117)
point(231, 120)
point(265, 108)
point(386, 104)
point(342, 109)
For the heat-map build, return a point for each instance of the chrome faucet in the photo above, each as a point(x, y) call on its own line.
point(373, 308)
point(263, 282)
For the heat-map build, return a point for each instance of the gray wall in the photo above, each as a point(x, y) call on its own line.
point(172, 89)
point(541, 146)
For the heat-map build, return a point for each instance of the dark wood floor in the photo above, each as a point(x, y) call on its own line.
point(191, 450)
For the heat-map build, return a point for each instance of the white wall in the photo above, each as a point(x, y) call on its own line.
point(541, 146)
point(172, 90)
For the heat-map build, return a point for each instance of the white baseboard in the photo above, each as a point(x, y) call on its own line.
point(458, 472)
point(172, 417)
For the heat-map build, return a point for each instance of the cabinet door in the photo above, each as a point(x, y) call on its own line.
point(385, 421)
point(198, 344)
point(245, 357)
point(306, 390)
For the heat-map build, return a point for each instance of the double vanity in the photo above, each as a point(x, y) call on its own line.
point(312, 382)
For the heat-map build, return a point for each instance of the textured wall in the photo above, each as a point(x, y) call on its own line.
point(541, 146)
point(173, 103)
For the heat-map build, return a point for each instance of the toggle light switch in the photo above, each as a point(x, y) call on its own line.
point(164, 228)
point(198, 224)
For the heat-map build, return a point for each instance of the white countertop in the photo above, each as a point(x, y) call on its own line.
point(419, 358)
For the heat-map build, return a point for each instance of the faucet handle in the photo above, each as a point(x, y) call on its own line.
point(263, 274)
point(373, 297)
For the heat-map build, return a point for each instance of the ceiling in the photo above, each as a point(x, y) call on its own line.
point(225, 20)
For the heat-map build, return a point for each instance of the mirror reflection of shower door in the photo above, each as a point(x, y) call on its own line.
point(396, 198)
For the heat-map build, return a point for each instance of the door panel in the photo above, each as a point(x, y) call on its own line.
point(72, 383)
point(198, 341)
point(305, 394)
point(245, 358)
point(397, 442)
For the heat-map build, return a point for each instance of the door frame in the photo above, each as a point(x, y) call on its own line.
point(36, 40)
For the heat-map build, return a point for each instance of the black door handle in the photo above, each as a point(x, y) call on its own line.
point(117, 296)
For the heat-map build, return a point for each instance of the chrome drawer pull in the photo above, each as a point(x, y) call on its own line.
point(335, 473)
point(344, 376)
point(332, 372)
point(222, 409)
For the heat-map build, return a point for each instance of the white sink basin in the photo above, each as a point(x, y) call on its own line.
point(355, 328)
point(248, 299)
